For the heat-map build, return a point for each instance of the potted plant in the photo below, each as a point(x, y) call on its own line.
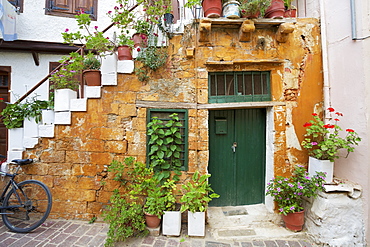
point(197, 194)
point(142, 29)
point(124, 47)
point(91, 70)
point(172, 215)
point(276, 9)
point(155, 203)
point(324, 142)
point(288, 193)
point(290, 10)
point(253, 8)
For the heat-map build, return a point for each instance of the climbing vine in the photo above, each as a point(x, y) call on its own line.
point(165, 147)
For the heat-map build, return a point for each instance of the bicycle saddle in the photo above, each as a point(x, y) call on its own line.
point(22, 161)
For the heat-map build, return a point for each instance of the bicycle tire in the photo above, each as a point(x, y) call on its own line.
point(33, 210)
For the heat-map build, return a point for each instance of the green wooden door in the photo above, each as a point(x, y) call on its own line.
point(237, 143)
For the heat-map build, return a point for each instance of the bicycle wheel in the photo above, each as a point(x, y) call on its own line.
point(31, 204)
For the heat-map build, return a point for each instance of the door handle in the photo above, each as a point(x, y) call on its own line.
point(233, 147)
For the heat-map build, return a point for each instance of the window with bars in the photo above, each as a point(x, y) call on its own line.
point(164, 116)
point(239, 86)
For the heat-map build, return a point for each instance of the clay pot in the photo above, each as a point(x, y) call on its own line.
point(294, 221)
point(212, 8)
point(140, 39)
point(152, 221)
point(290, 13)
point(92, 77)
point(124, 53)
point(276, 9)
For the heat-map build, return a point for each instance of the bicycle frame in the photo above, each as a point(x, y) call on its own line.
point(14, 186)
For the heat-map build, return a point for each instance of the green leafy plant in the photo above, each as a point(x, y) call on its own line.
point(67, 75)
point(142, 26)
point(165, 146)
point(126, 219)
point(289, 192)
point(125, 212)
point(197, 194)
point(252, 7)
point(91, 62)
point(125, 39)
point(13, 115)
point(91, 37)
point(324, 140)
point(192, 3)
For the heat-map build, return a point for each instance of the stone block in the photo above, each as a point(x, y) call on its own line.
point(62, 99)
point(63, 117)
point(30, 142)
point(109, 79)
point(14, 155)
point(46, 130)
point(78, 104)
point(15, 137)
point(125, 66)
point(115, 146)
point(154, 231)
point(93, 92)
point(30, 128)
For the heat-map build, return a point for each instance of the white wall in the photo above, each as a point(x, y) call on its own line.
point(349, 78)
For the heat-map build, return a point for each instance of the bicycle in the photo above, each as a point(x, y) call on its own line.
point(24, 205)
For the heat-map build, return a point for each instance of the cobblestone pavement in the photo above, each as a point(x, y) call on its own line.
point(70, 233)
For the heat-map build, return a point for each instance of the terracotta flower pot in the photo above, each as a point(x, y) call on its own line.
point(276, 9)
point(152, 221)
point(140, 39)
point(212, 8)
point(294, 221)
point(124, 53)
point(92, 77)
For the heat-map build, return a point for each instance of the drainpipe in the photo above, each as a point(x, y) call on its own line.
point(353, 22)
point(325, 62)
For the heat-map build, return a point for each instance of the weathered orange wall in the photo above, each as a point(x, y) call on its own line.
point(73, 163)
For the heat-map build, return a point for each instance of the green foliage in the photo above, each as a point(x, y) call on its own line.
point(251, 7)
point(154, 10)
point(91, 37)
point(125, 39)
point(289, 192)
point(323, 141)
point(142, 26)
point(67, 75)
point(125, 213)
point(121, 15)
point(165, 146)
point(192, 3)
point(91, 62)
point(198, 193)
point(126, 219)
point(14, 114)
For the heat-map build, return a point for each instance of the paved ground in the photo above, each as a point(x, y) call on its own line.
point(80, 233)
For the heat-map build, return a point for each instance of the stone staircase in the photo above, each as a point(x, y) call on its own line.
point(28, 136)
point(251, 222)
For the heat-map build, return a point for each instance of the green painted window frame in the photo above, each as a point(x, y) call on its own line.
point(183, 115)
point(239, 86)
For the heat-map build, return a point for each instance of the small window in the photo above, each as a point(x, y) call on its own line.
point(164, 116)
point(18, 4)
point(239, 86)
point(70, 8)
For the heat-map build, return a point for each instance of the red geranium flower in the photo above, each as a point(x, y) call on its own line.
point(314, 114)
point(350, 130)
point(339, 114)
point(307, 125)
point(331, 109)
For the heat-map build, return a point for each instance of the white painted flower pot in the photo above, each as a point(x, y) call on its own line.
point(62, 99)
point(196, 224)
point(171, 224)
point(47, 116)
point(326, 166)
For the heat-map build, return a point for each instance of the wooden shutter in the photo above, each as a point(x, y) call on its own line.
point(69, 8)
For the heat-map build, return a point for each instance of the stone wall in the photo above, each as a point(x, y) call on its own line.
point(73, 163)
point(335, 217)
